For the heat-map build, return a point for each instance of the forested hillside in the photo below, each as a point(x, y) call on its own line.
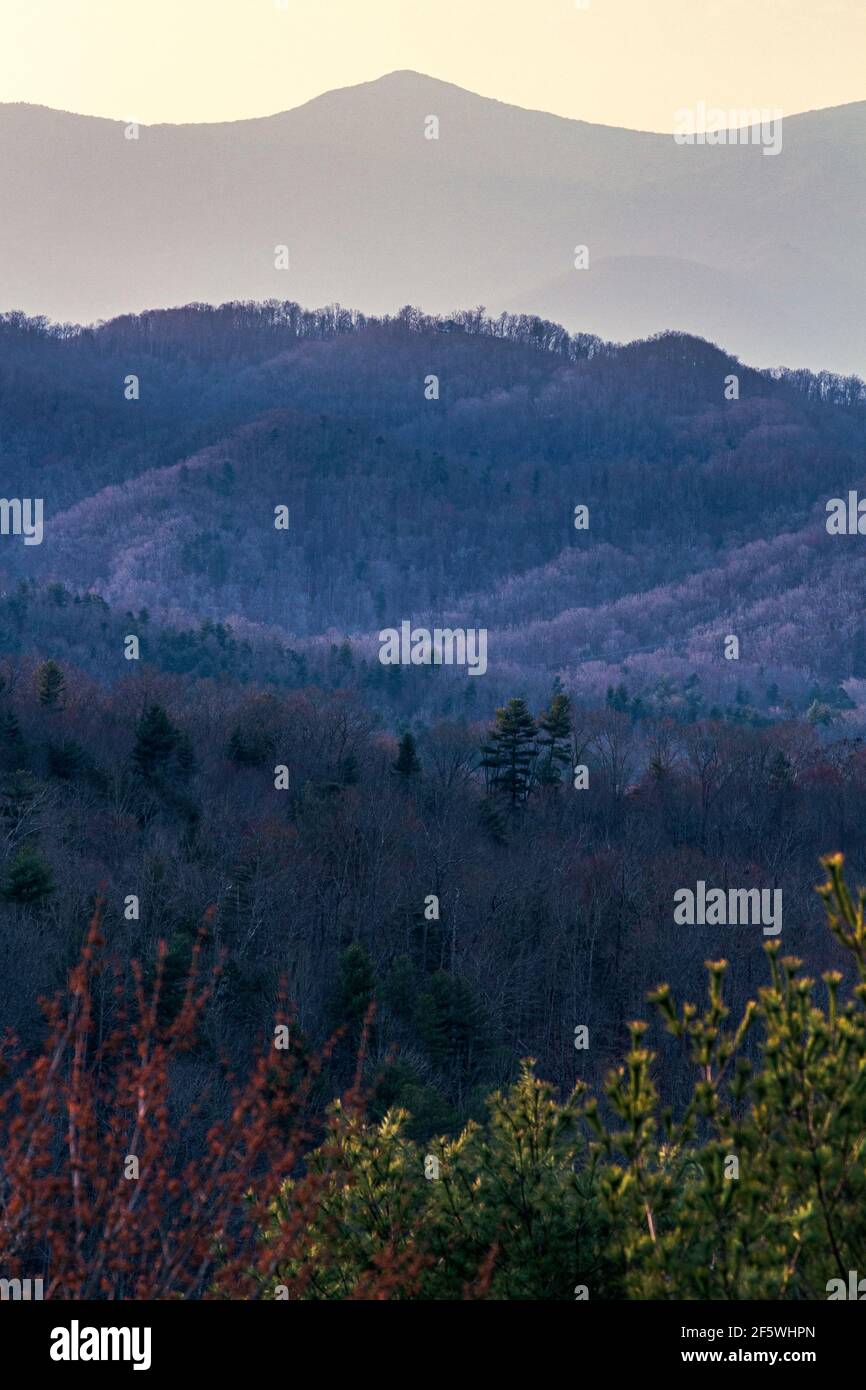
point(706, 514)
point(457, 878)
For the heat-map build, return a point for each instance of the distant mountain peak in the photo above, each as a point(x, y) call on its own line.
point(376, 210)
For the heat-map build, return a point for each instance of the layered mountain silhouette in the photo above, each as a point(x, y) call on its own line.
point(756, 253)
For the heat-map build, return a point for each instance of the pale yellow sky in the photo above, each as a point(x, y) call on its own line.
point(619, 62)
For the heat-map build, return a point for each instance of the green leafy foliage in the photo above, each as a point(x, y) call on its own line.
point(755, 1190)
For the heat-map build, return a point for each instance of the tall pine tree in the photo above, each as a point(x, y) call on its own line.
point(407, 764)
point(155, 740)
point(510, 752)
point(50, 685)
point(555, 740)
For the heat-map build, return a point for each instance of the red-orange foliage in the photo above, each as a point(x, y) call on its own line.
point(70, 1116)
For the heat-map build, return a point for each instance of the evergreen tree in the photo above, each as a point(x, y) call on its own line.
point(693, 697)
point(401, 987)
point(617, 697)
point(407, 764)
point(12, 750)
point(510, 751)
point(50, 685)
point(27, 879)
point(250, 746)
point(492, 820)
point(65, 759)
point(155, 740)
point(175, 975)
point(450, 1024)
point(555, 740)
point(355, 986)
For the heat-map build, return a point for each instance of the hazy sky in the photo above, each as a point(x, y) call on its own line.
point(620, 62)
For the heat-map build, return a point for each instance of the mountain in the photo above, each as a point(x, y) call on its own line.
point(707, 516)
point(724, 242)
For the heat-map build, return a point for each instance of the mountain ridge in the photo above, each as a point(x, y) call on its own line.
point(706, 513)
point(416, 75)
point(720, 242)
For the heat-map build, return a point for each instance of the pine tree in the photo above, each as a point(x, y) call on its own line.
point(492, 820)
point(617, 697)
point(249, 747)
point(65, 759)
point(401, 988)
point(50, 685)
point(355, 987)
point(12, 750)
point(407, 764)
point(555, 740)
point(175, 974)
point(27, 879)
point(510, 751)
point(155, 740)
point(450, 1023)
point(694, 699)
